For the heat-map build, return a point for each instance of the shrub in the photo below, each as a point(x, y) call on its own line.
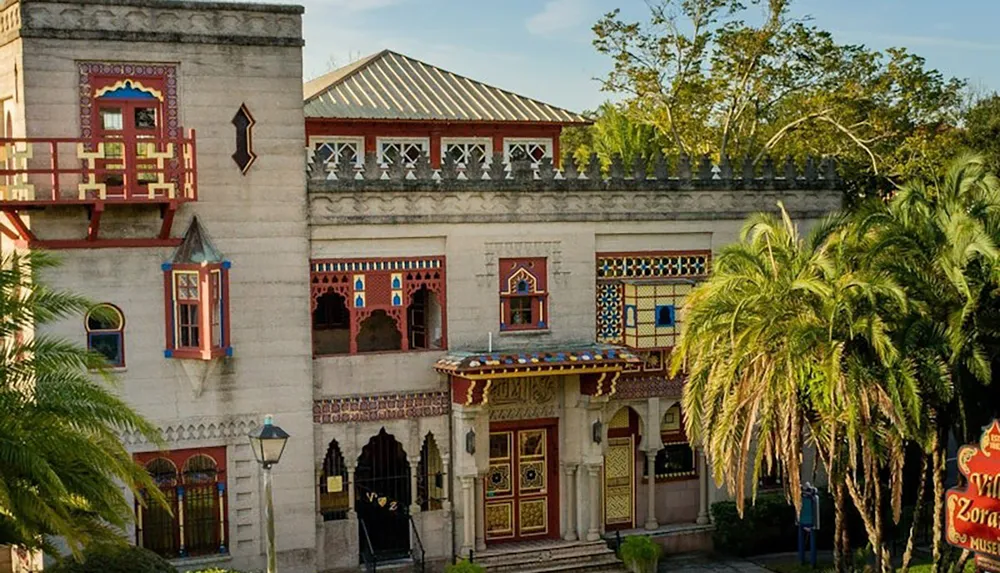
point(640, 554)
point(464, 566)
point(767, 526)
point(115, 559)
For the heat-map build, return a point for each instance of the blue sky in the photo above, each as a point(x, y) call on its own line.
point(542, 48)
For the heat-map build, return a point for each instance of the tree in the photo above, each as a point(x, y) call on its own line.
point(871, 336)
point(785, 346)
point(982, 130)
point(61, 459)
point(614, 132)
point(715, 84)
point(941, 240)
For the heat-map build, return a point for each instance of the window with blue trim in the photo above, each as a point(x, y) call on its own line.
point(665, 315)
point(105, 326)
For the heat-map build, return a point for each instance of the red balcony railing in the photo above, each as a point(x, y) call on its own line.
point(44, 171)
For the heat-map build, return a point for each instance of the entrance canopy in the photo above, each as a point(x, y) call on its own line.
point(472, 373)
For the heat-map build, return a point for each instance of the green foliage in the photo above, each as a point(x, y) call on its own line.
point(713, 83)
point(216, 570)
point(861, 340)
point(640, 553)
point(767, 526)
point(615, 131)
point(61, 460)
point(115, 559)
point(464, 566)
point(982, 130)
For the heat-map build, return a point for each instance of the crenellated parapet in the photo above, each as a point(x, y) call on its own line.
point(656, 189)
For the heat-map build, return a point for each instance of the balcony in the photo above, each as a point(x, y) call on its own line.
point(96, 173)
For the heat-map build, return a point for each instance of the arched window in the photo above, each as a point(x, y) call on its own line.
point(331, 325)
point(106, 333)
point(379, 333)
point(156, 527)
point(333, 500)
point(196, 522)
point(430, 476)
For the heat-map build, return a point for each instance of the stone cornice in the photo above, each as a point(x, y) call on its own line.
point(531, 205)
point(155, 21)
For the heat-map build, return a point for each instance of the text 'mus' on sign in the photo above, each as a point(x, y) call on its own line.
point(973, 511)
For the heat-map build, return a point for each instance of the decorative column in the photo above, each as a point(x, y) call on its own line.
point(446, 483)
point(651, 523)
point(351, 513)
point(703, 518)
point(414, 469)
point(480, 515)
point(469, 516)
point(594, 532)
point(570, 470)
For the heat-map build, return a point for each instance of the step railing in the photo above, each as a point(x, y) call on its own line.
point(417, 550)
point(367, 551)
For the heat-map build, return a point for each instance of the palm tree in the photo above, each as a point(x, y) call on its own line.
point(614, 132)
point(940, 241)
point(787, 344)
point(61, 459)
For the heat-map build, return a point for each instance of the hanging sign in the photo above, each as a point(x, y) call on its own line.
point(973, 512)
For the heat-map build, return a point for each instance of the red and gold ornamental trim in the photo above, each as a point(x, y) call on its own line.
point(973, 512)
point(472, 374)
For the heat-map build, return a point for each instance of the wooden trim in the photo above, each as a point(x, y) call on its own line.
point(53, 244)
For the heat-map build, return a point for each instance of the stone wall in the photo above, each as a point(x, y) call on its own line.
point(226, 55)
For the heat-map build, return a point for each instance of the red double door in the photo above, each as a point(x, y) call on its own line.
point(522, 483)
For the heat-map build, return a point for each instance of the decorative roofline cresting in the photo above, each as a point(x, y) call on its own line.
point(656, 172)
point(658, 190)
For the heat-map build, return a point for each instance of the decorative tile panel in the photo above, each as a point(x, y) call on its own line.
point(652, 265)
point(609, 313)
point(380, 407)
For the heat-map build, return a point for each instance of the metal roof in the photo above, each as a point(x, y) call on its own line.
point(388, 85)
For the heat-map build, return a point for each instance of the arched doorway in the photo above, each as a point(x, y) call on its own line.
point(382, 491)
point(619, 470)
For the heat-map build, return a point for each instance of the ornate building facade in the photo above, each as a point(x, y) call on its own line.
point(465, 336)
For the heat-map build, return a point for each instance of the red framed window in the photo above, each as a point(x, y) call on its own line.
point(523, 294)
point(194, 483)
point(128, 120)
point(197, 307)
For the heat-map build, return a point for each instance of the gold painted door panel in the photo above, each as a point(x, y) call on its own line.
point(517, 488)
point(619, 484)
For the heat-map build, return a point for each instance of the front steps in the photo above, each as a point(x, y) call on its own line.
point(550, 556)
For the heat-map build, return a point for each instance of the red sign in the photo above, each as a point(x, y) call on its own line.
point(973, 513)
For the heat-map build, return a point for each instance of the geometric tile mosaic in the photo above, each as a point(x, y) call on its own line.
point(609, 313)
point(652, 265)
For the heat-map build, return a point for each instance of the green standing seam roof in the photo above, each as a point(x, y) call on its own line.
point(391, 86)
point(196, 247)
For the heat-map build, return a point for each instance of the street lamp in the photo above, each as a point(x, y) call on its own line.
point(268, 443)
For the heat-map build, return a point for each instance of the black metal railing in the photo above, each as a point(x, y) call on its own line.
point(367, 552)
point(417, 550)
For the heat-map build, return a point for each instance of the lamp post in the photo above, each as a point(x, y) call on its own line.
point(268, 443)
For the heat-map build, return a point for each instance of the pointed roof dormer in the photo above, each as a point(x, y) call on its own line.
point(196, 247)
